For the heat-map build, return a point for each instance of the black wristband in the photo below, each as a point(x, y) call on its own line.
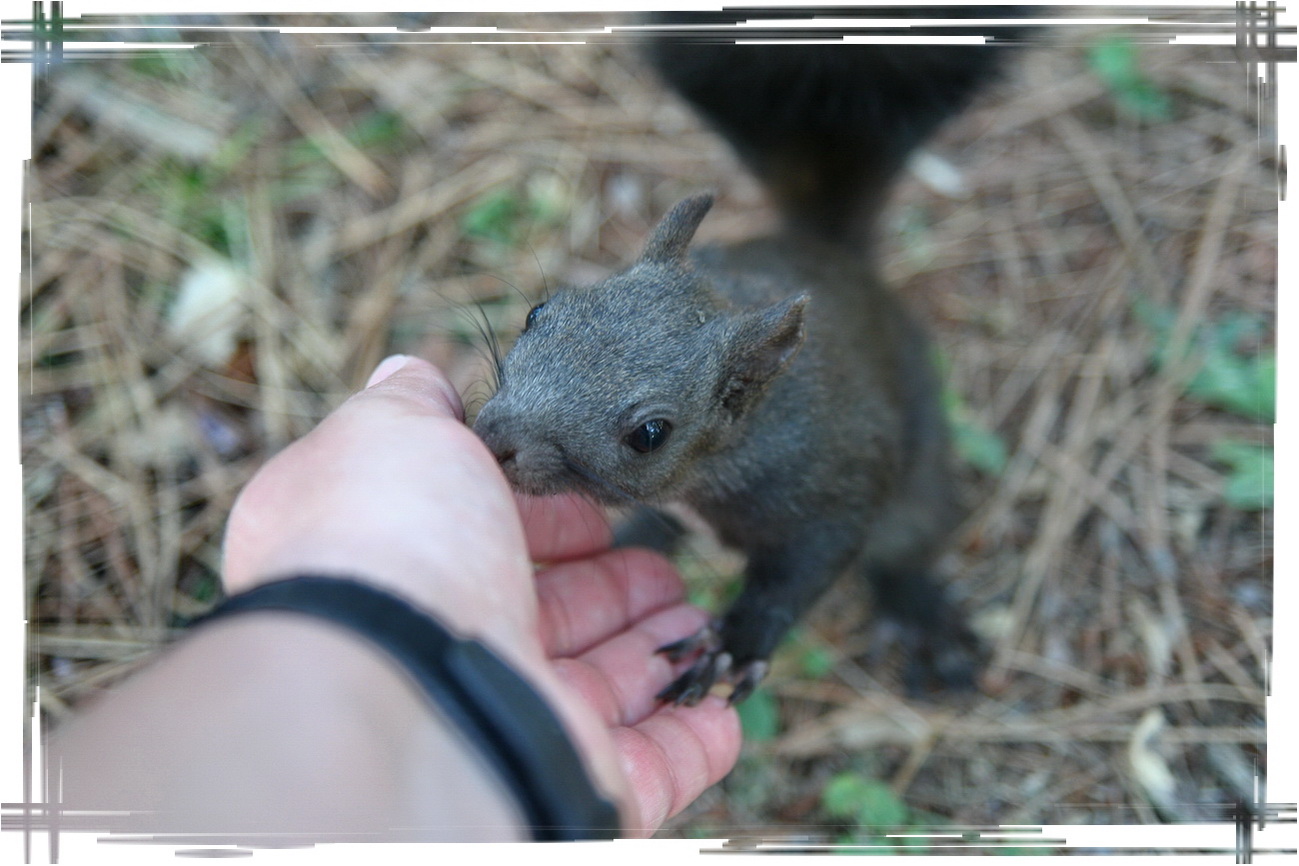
point(516, 731)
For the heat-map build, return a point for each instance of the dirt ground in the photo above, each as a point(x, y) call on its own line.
point(1093, 245)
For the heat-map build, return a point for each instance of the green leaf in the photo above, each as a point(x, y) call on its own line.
point(812, 658)
point(166, 64)
point(840, 797)
point(1249, 486)
point(975, 444)
point(759, 717)
point(1114, 61)
point(377, 129)
point(816, 662)
point(979, 446)
point(1244, 386)
point(864, 800)
point(493, 217)
point(1227, 379)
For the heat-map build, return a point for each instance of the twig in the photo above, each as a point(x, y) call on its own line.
point(1088, 153)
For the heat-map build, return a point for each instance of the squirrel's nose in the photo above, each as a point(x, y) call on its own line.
point(489, 430)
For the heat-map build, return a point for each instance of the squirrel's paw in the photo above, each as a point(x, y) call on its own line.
point(949, 660)
point(714, 665)
point(706, 640)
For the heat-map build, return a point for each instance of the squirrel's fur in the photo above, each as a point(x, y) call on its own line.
point(774, 385)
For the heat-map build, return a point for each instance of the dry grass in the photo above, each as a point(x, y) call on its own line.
point(1103, 564)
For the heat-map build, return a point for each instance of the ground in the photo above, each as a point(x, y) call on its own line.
point(1093, 245)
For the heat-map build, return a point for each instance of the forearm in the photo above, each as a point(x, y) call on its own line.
point(278, 723)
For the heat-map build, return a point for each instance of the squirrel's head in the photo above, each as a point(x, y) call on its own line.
point(616, 389)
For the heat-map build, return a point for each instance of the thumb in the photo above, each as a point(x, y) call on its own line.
point(415, 378)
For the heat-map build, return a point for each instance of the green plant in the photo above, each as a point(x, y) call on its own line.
point(1243, 383)
point(811, 657)
point(192, 197)
point(378, 129)
point(978, 446)
point(166, 64)
point(759, 717)
point(815, 662)
point(505, 215)
point(495, 216)
point(1114, 60)
point(872, 808)
point(866, 801)
point(1249, 486)
point(374, 131)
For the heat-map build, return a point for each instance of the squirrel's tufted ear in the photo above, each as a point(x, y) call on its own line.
point(760, 348)
point(672, 235)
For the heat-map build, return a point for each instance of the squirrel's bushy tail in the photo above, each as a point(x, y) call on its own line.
point(826, 127)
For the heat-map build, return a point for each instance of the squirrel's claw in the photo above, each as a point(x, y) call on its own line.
point(690, 688)
point(714, 665)
point(746, 679)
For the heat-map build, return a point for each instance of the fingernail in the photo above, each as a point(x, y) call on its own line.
point(386, 368)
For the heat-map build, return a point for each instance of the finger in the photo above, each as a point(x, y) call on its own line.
point(671, 757)
point(586, 601)
point(620, 678)
point(386, 368)
point(415, 379)
point(563, 527)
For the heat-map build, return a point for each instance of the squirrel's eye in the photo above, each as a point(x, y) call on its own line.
point(532, 316)
point(649, 436)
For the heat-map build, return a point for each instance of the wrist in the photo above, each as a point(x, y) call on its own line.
point(486, 595)
point(502, 716)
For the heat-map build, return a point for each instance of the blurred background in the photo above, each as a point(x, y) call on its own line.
point(224, 240)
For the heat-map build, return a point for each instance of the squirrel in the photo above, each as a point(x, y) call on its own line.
point(775, 386)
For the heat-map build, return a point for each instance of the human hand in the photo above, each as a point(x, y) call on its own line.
point(392, 488)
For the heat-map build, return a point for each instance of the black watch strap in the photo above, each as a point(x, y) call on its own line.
point(516, 731)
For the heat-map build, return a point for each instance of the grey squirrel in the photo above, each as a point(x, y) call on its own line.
point(775, 386)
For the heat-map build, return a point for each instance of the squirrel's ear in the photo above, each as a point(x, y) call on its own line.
point(672, 235)
point(763, 345)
